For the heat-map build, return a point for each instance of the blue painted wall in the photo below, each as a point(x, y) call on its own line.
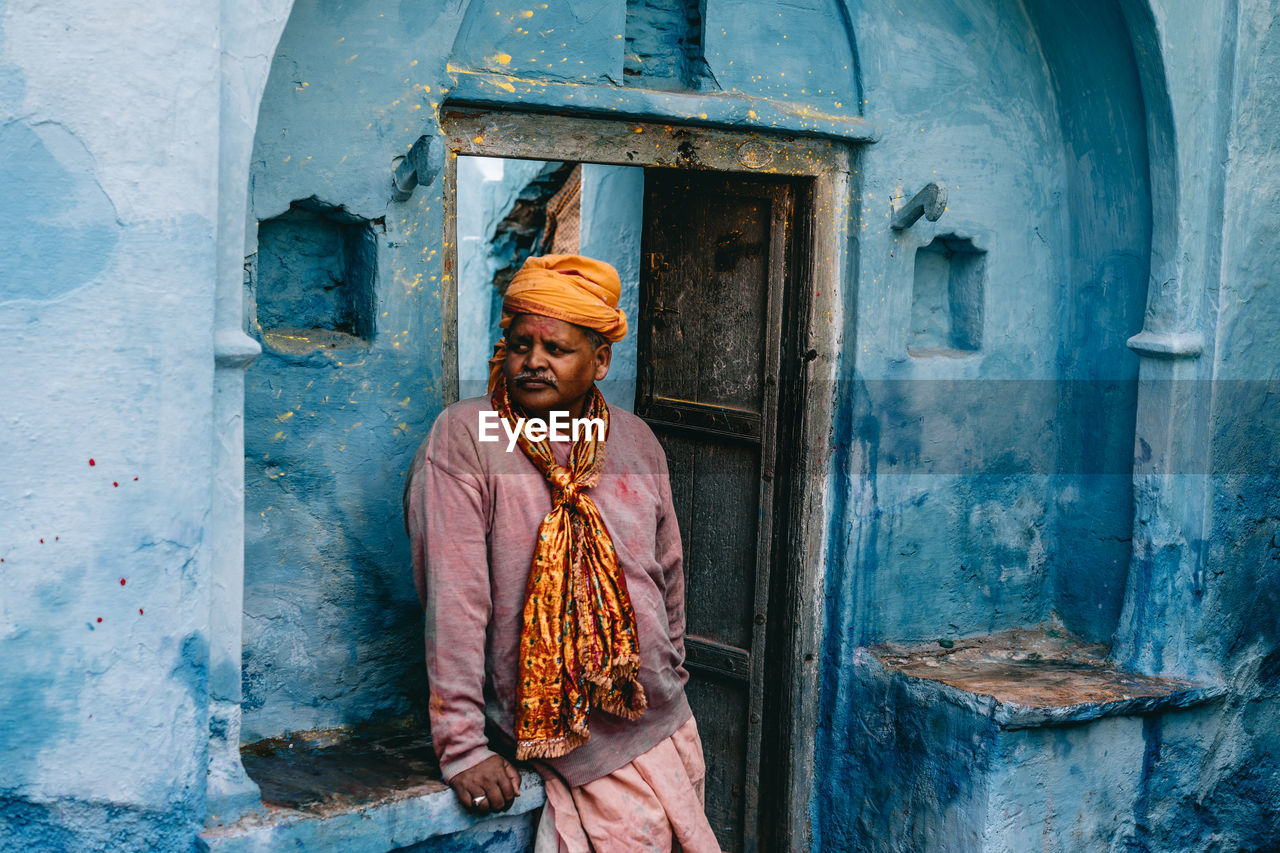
point(1114, 162)
point(332, 625)
point(1104, 290)
point(109, 235)
point(1215, 778)
point(971, 502)
point(1186, 608)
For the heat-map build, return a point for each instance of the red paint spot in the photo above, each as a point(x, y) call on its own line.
point(92, 463)
point(56, 538)
point(114, 483)
point(121, 581)
point(41, 541)
point(139, 611)
point(99, 618)
point(135, 479)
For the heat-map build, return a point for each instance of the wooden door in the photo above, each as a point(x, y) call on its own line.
point(713, 278)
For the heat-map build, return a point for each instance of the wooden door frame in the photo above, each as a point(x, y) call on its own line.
point(825, 225)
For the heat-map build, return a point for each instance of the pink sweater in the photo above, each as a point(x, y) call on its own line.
point(475, 508)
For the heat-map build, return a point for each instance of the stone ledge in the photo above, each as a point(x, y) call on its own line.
point(1037, 677)
point(361, 791)
point(380, 828)
point(1168, 345)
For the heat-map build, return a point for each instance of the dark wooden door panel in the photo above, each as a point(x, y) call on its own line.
point(712, 284)
point(718, 707)
point(708, 310)
point(718, 510)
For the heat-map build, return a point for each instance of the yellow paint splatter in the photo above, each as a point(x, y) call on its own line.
point(502, 59)
point(284, 417)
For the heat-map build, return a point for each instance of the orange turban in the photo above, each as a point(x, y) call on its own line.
point(573, 288)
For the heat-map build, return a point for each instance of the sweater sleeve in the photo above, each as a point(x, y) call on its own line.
point(670, 555)
point(448, 527)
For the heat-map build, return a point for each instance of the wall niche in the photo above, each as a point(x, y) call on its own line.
point(316, 266)
point(664, 45)
point(947, 297)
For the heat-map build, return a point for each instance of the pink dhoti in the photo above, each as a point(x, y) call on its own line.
point(654, 803)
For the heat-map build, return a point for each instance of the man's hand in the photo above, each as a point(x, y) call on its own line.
point(490, 786)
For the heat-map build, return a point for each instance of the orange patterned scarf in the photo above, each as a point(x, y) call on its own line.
point(578, 646)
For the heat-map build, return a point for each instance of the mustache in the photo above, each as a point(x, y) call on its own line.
point(541, 377)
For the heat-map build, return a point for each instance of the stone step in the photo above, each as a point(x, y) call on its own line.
point(1022, 740)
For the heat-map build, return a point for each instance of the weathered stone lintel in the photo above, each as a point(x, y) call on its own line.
point(482, 88)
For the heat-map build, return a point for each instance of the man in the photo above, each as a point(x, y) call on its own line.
point(551, 575)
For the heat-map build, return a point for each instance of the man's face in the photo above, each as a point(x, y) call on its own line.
point(551, 365)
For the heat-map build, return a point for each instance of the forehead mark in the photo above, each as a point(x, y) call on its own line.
point(547, 328)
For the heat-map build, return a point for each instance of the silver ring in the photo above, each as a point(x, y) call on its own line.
point(476, 801)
